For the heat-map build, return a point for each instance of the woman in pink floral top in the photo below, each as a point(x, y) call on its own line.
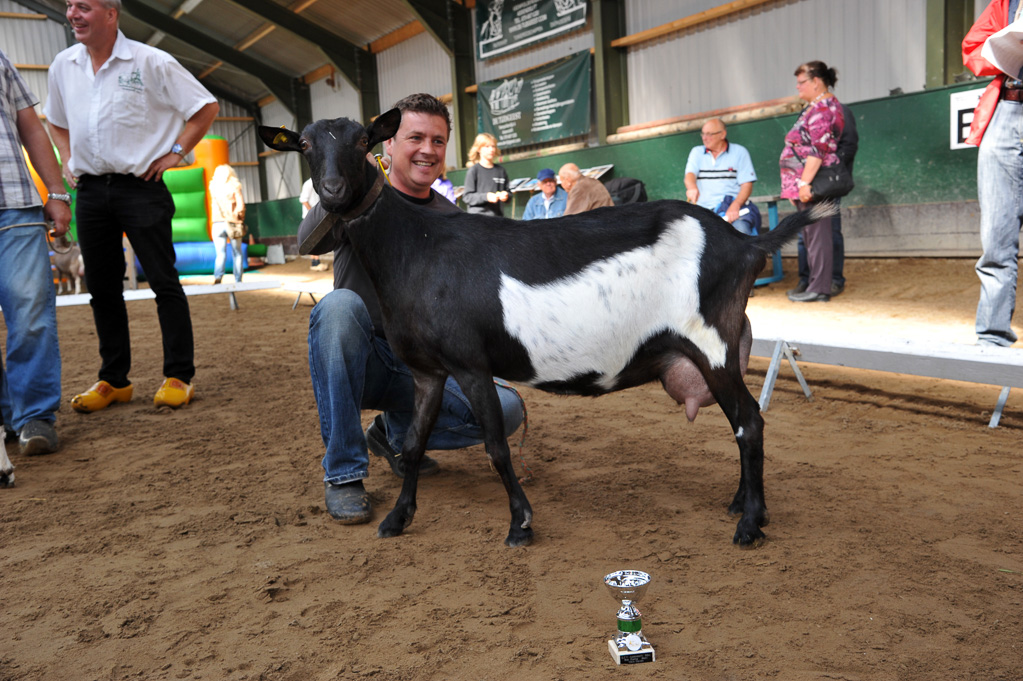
point(809, 145)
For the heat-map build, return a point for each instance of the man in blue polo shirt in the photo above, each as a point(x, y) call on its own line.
point(720, 177)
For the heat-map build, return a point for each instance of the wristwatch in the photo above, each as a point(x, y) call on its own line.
point(176, 149)
point(66, 198)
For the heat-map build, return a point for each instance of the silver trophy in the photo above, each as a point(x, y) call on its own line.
point(629, 646)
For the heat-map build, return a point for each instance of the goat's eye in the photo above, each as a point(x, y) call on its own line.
point(303, 144)
point(364, 141)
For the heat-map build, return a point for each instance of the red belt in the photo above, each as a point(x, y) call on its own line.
point(1012, 94)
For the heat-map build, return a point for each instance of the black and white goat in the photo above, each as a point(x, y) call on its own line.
point(586, 304)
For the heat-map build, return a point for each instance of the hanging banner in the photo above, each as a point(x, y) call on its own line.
point(505, 25)
point(544, 104)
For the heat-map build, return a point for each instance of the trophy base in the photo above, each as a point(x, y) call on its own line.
point(622, 655)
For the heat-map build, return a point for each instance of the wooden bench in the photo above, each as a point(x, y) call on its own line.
point(192, 290)
point(971, 363)
point(313, 288)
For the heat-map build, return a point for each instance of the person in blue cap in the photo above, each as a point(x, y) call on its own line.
point(550, 202)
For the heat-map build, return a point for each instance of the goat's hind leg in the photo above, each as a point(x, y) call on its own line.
point(429, 391)
point(486, 407)
point(743, 414)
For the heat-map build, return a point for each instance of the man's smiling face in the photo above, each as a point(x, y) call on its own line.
point(92, 21)
point(417, 152)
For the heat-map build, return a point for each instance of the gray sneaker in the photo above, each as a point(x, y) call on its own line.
point(38, 437)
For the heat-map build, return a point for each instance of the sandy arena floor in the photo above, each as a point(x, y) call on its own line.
point(193, 544)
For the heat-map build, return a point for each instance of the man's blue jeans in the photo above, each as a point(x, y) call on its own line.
point(1000, 194)
point(354, 369)
point(30, 381)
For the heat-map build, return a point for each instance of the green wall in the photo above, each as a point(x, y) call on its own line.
point(913, 196)
point(904, 156)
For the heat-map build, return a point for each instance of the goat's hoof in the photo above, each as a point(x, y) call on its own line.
point(7, 480)
point(747, 539)
point(519, 537)
point(395, 523)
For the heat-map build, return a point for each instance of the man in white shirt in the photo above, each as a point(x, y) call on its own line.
point(121, 113)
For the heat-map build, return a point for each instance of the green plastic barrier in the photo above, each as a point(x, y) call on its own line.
point(188, 189)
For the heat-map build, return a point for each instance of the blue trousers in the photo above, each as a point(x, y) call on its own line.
point(30, 381)
point(220, 243)
point(1000, 194)
point(353, 369)
point(107, 206)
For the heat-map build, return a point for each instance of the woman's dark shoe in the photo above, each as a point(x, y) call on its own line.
point(809, 297)
point(800, 288)
point(348, 503)
point(377, 442)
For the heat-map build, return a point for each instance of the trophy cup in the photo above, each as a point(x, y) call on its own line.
point(629, 646)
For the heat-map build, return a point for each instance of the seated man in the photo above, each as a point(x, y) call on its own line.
point(719, 177)
point(550, 202)
point(584, 193)
point(350, 361)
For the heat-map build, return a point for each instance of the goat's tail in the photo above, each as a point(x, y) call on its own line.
point(787, 229)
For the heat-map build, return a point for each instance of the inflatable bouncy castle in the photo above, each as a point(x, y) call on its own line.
point(190, 227)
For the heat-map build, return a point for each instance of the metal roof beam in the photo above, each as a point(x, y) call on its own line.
point(356, 64)
point(287, 89)
point(50, 12)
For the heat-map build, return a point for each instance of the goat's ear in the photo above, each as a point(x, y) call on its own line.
point(384, 127)
point(280, 139)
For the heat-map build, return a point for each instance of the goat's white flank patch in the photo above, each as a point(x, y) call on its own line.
point(595, 319)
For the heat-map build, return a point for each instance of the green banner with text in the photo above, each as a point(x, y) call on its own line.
point(548, 103)
point(506, 25)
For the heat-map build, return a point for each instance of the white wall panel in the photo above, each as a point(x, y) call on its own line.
point(876, 46)
point(339, 100)
point(32, 42)
point(416, 65)
point(283, 176)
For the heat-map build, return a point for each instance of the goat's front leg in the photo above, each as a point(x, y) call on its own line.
point(6, 467)
point(486, 407)
point(429, 391)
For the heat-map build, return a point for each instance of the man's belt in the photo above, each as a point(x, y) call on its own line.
point(1012, 94)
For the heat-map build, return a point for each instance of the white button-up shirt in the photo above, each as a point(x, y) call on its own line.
point(126, 115)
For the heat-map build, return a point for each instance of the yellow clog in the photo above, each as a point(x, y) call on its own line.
point(173, 393)
point(99, 397)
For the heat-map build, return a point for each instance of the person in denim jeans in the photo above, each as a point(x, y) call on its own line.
point(30, 377)
point(351, 363)
point(997, 128)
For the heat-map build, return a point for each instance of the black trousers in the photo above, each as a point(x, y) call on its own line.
point(107, 206)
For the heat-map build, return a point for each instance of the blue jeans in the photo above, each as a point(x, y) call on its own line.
point(1000, 194)
point(219, 233)
point(353, 369)
point(30, 382)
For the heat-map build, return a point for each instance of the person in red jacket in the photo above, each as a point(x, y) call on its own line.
point(997, 129)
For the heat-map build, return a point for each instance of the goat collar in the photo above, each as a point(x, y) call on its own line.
point(367, 201)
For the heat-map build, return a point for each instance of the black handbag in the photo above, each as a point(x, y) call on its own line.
point(832, 182)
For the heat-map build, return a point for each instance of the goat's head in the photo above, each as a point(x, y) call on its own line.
point(336, 153)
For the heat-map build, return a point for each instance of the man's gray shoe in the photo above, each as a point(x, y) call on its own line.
point(38, 437)
point(348, 503)
point(377, 442)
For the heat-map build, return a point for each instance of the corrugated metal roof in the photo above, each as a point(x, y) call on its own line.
point(358, 21)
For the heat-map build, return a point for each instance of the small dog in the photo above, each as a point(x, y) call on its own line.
point(68, 263)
